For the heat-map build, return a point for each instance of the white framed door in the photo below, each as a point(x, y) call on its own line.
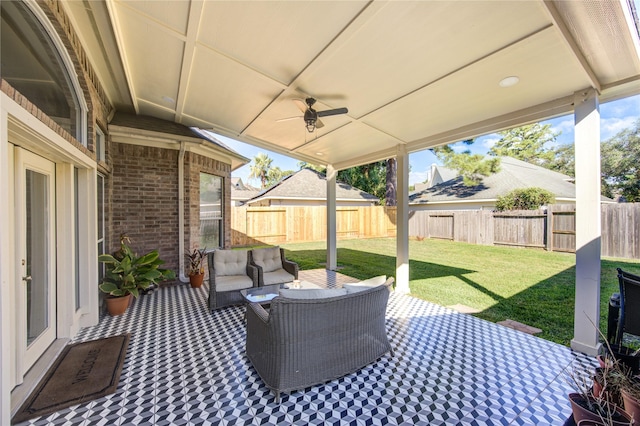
point(36, 256)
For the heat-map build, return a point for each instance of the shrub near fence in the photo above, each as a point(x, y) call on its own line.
point(551, 229)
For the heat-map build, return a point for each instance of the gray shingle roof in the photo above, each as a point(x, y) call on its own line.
point(144, 122)
point(311, 185)
point(513, 174)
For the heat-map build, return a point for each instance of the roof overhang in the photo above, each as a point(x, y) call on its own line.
point(417, 74)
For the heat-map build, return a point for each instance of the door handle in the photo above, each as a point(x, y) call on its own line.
point(27, 278)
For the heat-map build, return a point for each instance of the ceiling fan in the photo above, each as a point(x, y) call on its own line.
point(311, 116)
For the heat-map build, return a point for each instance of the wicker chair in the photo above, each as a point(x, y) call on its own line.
point(299, 343)
point(629, 318)
point(272, 266)
point(229, 272)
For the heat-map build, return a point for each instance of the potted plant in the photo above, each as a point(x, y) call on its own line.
point(127, 275)
point(597, 401)
point(631, 397)
point(196, 268)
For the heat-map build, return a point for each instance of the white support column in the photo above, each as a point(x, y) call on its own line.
point(332, 247)
point(402, 221)
point(588, 227)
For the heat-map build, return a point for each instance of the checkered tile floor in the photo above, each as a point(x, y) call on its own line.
point(186, 366)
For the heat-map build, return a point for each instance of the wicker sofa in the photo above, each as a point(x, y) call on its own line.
point(298, 343)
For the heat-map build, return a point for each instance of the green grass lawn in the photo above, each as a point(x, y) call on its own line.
point(527, 285)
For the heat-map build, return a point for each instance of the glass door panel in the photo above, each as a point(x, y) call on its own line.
point(37, 255)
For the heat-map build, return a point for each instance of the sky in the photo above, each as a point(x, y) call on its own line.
point(615, 116)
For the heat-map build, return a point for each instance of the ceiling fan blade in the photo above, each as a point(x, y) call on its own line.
point(329, 112)
point(300, 104)
point(289, 118)
point(319, 124)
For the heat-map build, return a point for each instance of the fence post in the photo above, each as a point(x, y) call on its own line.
point(549, 228)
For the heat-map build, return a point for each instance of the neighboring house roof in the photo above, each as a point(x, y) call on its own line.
point(152, 124)
point(308, 184)
point(440, 174)
point(513, 174)
point(241, 191)
point(237, 183)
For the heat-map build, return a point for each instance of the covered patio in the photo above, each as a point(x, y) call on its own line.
point(413, 75)
point(402, 77)
point(186, 366)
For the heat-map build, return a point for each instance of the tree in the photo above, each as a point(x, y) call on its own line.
point(275, 175)
point(370, 178)
point(472, 167)
point(527, 143)
point(564, 160)
point(260, 168)
point(305, 165)
point(524, 199)
point(391, 191)
point(620, 156)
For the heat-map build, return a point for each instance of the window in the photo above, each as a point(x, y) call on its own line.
point(101, 238)
point(99, 144)
point(35, 62)
point(211, 208)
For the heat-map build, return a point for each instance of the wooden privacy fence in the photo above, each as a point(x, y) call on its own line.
point(551, 229)
point(276, 225)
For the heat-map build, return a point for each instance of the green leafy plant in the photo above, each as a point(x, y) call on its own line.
point(127, 273)
point(524, 199)
point(196, 257)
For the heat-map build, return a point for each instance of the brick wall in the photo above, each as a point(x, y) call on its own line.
point(144, 200)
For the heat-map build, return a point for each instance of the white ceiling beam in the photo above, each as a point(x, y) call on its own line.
point(556, 17)
point(193, 27)
point(117, 32)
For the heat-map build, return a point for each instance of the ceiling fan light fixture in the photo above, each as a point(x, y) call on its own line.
point(310, 125)
point(509, 81)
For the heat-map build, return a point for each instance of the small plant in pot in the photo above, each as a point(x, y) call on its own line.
point(127, 275)
point(196, 268)
point(598, 398)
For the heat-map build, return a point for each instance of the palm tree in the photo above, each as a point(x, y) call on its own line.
point(260, 168)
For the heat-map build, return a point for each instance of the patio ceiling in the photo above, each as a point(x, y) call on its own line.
point(418, 73)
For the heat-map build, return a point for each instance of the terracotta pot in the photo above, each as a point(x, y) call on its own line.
point(580, 412)
point(118, 305)
point(196, 280)
point(631, 404)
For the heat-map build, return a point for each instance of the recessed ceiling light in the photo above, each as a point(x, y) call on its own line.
point(509, 81)
point(320, 154)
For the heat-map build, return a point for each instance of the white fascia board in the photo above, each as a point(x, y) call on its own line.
point(150, 138)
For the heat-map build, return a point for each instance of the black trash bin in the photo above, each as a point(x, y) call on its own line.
point(612, 320)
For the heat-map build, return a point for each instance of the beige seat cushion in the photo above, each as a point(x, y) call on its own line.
point(366, 284)
point(277, 277)
point(233, 283)
point(312, 293)
point(230, 262)
point(268, 259)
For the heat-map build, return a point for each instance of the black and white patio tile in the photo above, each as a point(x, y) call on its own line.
point(186, 366)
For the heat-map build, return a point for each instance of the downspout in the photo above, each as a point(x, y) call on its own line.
point(181, 275)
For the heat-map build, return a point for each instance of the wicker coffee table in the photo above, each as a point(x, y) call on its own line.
point(265, 293)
